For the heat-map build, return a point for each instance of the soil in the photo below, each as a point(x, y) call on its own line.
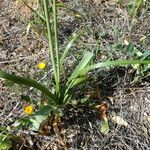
point(108, 23)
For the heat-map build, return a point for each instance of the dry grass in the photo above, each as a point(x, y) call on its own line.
point(107, 24)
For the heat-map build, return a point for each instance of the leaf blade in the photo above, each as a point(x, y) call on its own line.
point(112, 63)
point(76, 35)
point(83, 63)
point(27, 82)
point(39, 116)
point(104, 126)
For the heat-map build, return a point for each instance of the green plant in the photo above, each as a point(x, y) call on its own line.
point(141, 70)
point(5, 139)
point(134, 6)
point(5, 143)
point(61, 96)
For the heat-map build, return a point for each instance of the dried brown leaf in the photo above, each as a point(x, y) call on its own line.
point(102, 111)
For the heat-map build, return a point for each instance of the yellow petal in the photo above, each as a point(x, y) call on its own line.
point(41, 65)
point(28, 110)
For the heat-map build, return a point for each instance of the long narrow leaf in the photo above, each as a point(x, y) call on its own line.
point(51, 44)
point(112, 63)
point(76, 35)
point(79, 81)
point(56, 44)
point(83, 63)
point(27, 82)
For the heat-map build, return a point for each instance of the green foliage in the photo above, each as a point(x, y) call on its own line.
point(5, 143)
point(67, 48)
point(134, 6)
point(83, 63)
point(141, 70)
point(104, 126)
point(38, 117)
point(27, 82)
point(5, 139)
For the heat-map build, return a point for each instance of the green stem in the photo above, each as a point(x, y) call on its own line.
point(56, 42)
point(50, 39)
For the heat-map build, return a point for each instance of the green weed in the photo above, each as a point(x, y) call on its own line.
point(134, 6)
point(5, 139)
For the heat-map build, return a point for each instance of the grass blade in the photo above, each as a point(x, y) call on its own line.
point(83, 63)
point(134, 7)
point(79, 81)
point(51, 45)
point(112, 63)
point(76, 35)
point(27, 82)
point(56, 43)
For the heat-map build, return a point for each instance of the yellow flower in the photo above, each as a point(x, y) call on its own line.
point(41, 65)
point(28, 110)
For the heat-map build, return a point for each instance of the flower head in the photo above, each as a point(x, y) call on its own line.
point(28, 110)
point(41, 65)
